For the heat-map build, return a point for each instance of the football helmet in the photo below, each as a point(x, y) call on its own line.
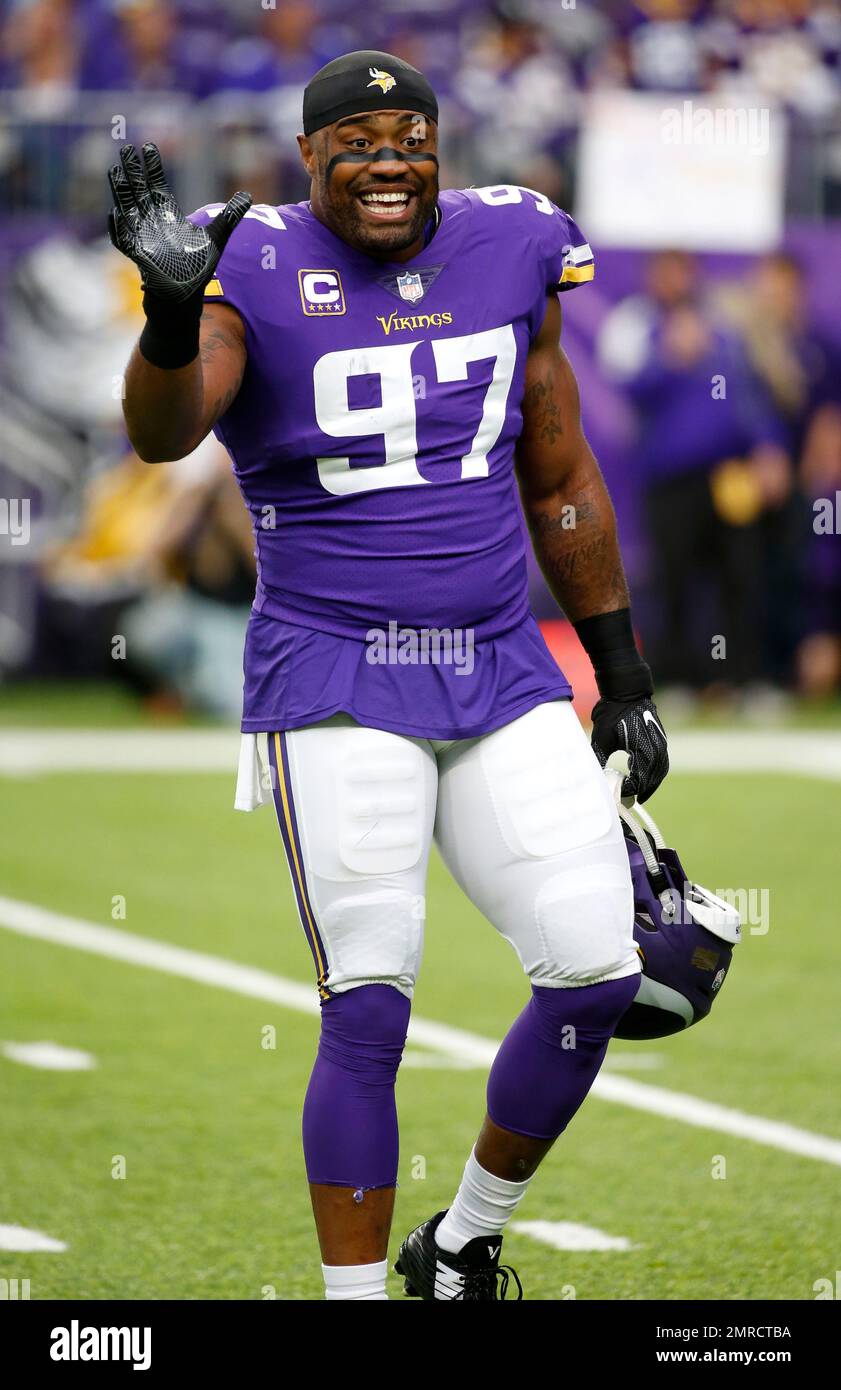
point(684, 934)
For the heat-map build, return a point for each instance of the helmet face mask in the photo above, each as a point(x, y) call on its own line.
point(684, 934)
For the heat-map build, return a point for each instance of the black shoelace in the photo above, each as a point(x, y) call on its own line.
point(480, 1286)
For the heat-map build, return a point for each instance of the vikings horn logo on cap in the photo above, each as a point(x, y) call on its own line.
point(383, 80)
point(357, 82)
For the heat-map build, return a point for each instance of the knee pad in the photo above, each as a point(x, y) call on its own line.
point(374, 936)
point(585, 920)
point(363, 1032)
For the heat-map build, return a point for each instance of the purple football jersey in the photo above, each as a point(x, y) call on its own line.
point(373, 440)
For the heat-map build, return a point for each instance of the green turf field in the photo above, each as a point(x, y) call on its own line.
point(214, 1204)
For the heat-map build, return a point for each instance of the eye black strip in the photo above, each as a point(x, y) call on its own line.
point(386, 153)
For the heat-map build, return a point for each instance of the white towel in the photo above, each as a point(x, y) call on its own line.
point(252, 781)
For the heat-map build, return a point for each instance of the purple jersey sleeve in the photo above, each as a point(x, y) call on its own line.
point(567, 257)
point(249, 249)
point(545, 242)
point(541, 230)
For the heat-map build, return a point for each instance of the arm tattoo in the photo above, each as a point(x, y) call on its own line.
point(543, 411)
point(221, 404)
point(572, 516)
point(574, 536)
point(217, 338)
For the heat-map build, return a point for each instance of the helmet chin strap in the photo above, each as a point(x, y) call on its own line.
point(634, 820)
point(648, 821)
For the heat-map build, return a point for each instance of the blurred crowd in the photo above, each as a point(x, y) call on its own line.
point(736, 399)
point(474, 51)
point(712, 394)
point(513, 72)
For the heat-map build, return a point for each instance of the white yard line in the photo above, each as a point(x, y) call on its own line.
point(570, 1235)
point(34, 752)
point(48, 1056)
point(20, 1239)
point(44, 925)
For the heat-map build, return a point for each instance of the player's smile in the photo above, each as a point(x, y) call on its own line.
point(388, 202)
point(392, 203)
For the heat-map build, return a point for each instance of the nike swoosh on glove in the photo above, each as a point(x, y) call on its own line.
point(176, 259)
point(635, 727)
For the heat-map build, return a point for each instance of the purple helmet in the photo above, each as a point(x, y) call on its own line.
point(685, 936)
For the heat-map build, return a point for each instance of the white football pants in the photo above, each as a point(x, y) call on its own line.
point(523, 817)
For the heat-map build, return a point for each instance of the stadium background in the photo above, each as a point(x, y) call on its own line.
point(124, 596)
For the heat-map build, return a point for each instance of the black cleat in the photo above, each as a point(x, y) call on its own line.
point(473, 1275)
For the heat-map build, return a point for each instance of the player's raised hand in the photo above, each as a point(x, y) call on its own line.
point(176, 259)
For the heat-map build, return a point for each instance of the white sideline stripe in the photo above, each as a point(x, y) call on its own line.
point(439, 1061)
point(49, 1056)
point(30, 752)
point(30, 920)
point(42, 924)
point(798, 752)
point(705, 1114)
point(451, 1061)
point(20, 1239)
point(569, 1235)
point(631, 1061)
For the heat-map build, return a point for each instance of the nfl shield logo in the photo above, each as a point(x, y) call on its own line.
point(410, 287)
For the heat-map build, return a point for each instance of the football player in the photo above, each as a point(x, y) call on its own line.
point(383, 365)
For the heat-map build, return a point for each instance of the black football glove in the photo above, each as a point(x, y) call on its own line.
point(175, 258)
point(632, 725)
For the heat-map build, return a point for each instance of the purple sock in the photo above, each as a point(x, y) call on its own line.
point(552, 1053)
point(350, 1115)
